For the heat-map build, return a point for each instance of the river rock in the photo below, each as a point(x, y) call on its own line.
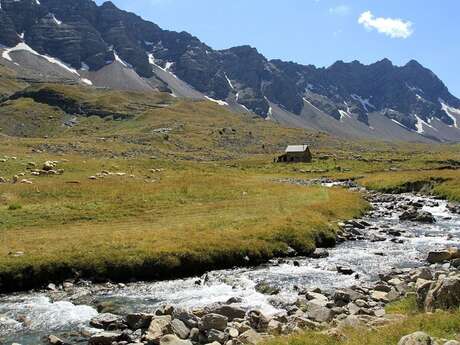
point(452, 342)
point(189, 319)
point(266, 289)
point(53, 340)
point(138, 321)
point(379, 296)
point(417, 216)
point(422, 273)
point(417, 338)
point(310, 295)
point(180, 329)
point(104, 338)
point(232, 332)
point(320, 253)
point(213, 321)
point(104, 320)
point(171, 339)
point(250, 337)
point(216, 336)
point(445, 294)
point(159, 326)
point(257, 320)
point(319, 313)
point(345, 270)
point(230, 311)
point(438, 257)
point(344, 296)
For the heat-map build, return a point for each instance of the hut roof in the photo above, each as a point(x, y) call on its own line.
point(296, 148)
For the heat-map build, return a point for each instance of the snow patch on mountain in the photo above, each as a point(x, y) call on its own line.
point(118, 59)
point(229, 82)
point(55, 20)
point(218, 101)
point(22, 46)
point(307, 101)
point(450, 111)
point(344, 115)
point(399, 123)
point(420, 123)
point(364, 102)
point(167, 67)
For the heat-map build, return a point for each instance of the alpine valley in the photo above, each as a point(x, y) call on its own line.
point(79, 42)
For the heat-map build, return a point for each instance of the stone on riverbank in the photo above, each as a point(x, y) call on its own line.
point(444, 294)
point(174, 340)
point(230, 311)
point(159, 326)
point(104, 338)
point(138, 321)
point(213, 321)
point(417, 338)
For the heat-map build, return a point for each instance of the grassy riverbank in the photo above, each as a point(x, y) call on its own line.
point(442, 325)
point(177, 219)
point(443, 183)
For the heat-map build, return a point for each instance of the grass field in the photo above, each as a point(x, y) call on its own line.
point(149, 223)
point(440, 325)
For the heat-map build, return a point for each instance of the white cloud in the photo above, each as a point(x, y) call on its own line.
point(393, 27)
point(341, 10)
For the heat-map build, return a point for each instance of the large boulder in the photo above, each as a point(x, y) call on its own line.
point(319, 313)
point(422, 288)
point(417, 338)
point(180, 329)
point(230, 311)
point(138, 321)
point(445, 294)
point(258, 321)
point(213, 321)
point(443, 255)
point(159, 326)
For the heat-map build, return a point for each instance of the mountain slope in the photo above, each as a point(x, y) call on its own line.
point(77, 41)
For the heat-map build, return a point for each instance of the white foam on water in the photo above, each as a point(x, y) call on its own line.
point(39, 313)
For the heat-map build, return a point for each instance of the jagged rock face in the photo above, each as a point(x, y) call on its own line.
point(8, 34)
point(83, 34)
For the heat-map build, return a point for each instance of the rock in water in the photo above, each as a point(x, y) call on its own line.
point(417, 338)
point(417, 216)
point(104, 320)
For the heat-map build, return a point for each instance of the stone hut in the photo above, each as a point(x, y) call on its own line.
point(296, 154)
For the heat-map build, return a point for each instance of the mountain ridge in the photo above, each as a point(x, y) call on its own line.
point(89, 37)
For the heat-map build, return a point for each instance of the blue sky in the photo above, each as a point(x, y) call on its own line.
point(320, 32)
